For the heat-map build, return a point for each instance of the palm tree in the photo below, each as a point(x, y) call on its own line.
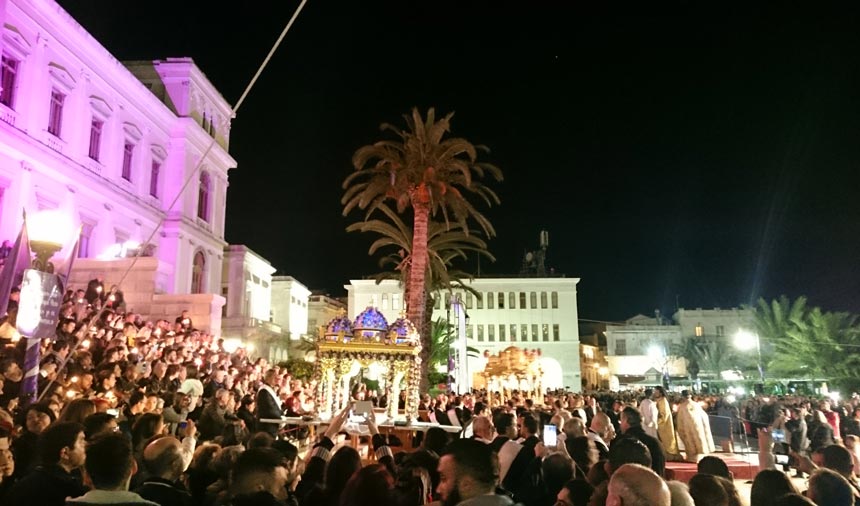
point(444, 246)
point(691, 350)
point(423, 170)
point(820, 345)
point(773, 320)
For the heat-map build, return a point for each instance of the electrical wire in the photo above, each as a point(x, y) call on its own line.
point(188, 180)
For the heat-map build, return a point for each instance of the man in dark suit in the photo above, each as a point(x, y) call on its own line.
point(518, 475)
point(268, 403)
point(631, 427)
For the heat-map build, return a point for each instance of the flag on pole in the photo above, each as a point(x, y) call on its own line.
point(17, 261)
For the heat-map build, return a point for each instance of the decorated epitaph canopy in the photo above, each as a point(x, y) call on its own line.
point(514, 369)
point(345, 347)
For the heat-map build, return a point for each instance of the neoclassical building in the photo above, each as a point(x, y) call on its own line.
point(111, 144)
point(527, 312)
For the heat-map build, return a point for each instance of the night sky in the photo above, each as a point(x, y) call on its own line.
point(704, 155)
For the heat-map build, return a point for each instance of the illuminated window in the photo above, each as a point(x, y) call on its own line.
point(700, 331)
point(198, 272)
point(55, 113)
point(154, 173)
point(127, 158)
point(203, 195)
point(8, 81)
point(84, 239)
point(95, 139)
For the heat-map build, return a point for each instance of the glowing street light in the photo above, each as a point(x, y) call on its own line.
point(747, 341)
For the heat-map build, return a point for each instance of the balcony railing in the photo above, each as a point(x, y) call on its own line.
point(244, 322)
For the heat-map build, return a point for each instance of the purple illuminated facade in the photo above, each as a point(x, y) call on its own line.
point(111, 144)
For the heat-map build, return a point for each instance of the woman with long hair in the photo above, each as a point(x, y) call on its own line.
point(77, 410)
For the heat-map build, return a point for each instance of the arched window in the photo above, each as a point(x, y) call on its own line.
point(203, 196)
point(198, 273)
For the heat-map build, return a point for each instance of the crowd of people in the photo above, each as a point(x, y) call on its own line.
point(139, 412)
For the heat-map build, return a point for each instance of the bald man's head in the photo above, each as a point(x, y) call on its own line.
point(635, 485)
point(163, 458)
point(574, 427)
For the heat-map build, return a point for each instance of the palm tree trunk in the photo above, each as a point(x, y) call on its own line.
point(418, 278)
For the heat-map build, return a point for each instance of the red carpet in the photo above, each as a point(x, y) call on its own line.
point(741, 468)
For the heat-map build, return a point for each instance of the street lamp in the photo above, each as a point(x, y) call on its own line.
point(657, 353)
point(746, 341)
point(47, 232)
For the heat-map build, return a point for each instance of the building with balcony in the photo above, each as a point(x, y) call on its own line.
point(246, 318)
point(644, 343)
point(321, 310)
point(714, 324)
point(639, 344)
point(290, 306)
point(110, 145)
point(529, 312)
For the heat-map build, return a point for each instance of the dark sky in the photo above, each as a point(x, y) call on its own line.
point(706, 153)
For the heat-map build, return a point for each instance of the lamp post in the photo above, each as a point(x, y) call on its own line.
point(746, 341)
point(47, 232)
point(657, 352)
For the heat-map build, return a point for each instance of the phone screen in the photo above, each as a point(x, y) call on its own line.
point(782, 459)
point(778, 435)
point(362, 408)
point(550, 435)
point(183, 424)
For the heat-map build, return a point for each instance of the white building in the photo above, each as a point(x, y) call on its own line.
point(110, 145)
point(321, 310)
point(539, 313)
point(714, 323)
point(247, 288)
point(642, 343)
point(290, 306)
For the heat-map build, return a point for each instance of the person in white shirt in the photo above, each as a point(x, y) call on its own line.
point(649, 414)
